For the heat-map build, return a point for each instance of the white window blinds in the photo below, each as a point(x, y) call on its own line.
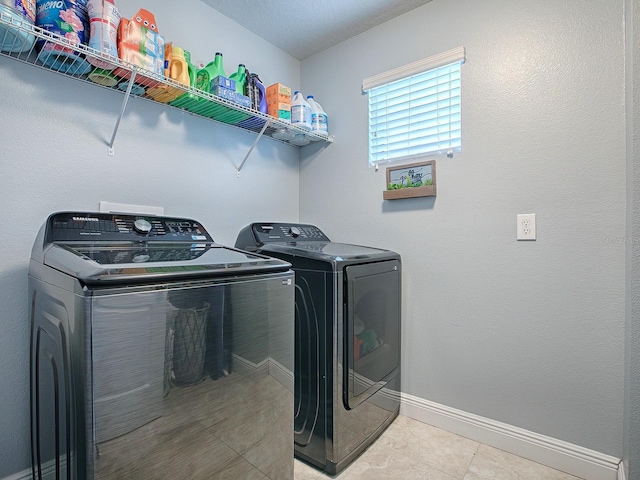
point(415, 109)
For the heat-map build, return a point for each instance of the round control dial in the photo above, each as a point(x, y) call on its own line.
point(294, 231)
point(142, 226)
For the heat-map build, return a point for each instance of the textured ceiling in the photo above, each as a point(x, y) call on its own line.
point(303, 28)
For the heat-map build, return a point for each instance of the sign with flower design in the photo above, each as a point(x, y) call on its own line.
point(408, 181)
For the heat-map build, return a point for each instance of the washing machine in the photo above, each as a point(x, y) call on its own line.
point(157, 353)
point(347, 344)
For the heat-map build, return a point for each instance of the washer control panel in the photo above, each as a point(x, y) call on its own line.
point(286, 232)
point(83, 226)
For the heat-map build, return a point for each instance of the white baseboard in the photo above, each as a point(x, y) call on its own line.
point(621, 474)
point(281, 373)
point(269, 366)
point(247, 367)
point(564, 456)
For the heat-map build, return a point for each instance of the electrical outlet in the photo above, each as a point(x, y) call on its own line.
point(526, 226)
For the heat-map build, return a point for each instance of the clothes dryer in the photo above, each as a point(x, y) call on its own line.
point(157, 353)
point(347, 347)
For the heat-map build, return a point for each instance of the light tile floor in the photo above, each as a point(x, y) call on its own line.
point(411, 450)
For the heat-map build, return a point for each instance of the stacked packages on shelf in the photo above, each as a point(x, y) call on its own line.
point(279, 102)
point(114, 49)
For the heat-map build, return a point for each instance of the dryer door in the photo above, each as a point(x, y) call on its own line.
point(372, 329)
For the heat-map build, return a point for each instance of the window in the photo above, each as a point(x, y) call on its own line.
point(414, 110)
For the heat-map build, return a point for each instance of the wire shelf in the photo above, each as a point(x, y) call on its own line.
point(35, 46)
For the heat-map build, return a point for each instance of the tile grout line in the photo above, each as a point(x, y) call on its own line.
point(471, 461)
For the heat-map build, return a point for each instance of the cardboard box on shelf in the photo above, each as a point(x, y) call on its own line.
point(279, 99)
point(280, 110)
point(282, 116)
point(273, 106)
point(278, 93)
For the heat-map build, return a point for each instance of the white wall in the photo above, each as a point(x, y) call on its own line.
point(527, 333)
point(54, 157)
point(631, 454)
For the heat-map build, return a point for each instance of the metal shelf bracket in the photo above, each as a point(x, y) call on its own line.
point(122, 109)
point(255, 142)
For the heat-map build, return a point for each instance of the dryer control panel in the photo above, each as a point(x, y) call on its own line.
point(114, 227)
point(257, 234)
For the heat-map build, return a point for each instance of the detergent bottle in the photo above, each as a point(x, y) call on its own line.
point(178, 66)
point(190, 67)
point(187, 100)
point(240, 77)
point(300, 111)
point(208, 73)
point(176, 69)
point(319, 119)
point(219, 64)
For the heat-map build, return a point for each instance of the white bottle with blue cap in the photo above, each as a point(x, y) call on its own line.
point(300, 111)
point(319, 119)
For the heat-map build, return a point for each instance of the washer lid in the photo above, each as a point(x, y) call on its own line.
point(329, 251)
point(117, 263)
